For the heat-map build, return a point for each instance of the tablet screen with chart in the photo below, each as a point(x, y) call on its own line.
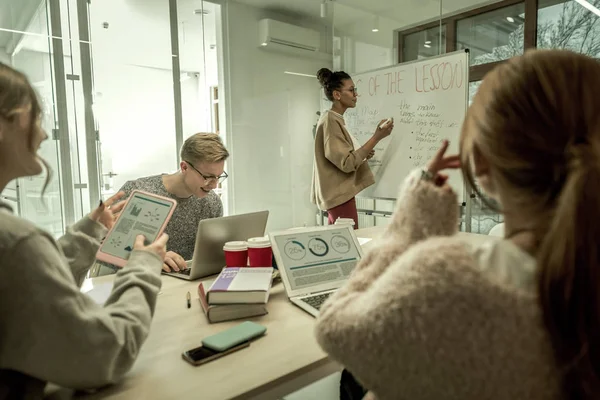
point(144, 214)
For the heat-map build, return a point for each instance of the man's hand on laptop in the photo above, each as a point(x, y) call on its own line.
point(174, 262)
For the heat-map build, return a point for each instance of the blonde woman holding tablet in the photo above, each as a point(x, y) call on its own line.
point(49, 330)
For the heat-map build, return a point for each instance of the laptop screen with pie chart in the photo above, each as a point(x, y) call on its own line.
point(313, 257)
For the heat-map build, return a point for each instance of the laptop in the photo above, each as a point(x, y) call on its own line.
point(315, 262)
point(208, 258)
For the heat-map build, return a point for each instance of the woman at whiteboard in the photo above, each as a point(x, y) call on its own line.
point(428, 315)
point(340, 169)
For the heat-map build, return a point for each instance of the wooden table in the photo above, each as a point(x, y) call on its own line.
point(286, 359)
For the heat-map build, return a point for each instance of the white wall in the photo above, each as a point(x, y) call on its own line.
point(272, 115)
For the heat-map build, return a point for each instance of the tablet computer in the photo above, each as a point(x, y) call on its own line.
point(144, 214)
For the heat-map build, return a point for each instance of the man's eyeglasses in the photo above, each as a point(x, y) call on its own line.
point(209, 178)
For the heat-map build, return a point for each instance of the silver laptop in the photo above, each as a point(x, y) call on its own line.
point(212, 234)
point(315, 262)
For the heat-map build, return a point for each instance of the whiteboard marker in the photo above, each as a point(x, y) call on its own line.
point(386, 122)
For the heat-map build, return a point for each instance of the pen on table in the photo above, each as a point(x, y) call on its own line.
point(189, 300)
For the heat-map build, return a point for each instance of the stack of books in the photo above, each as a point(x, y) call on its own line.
point(236, 293)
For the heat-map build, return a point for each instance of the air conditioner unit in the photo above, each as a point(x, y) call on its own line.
point(277, 35)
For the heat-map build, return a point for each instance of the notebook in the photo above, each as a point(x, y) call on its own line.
point(236, 285)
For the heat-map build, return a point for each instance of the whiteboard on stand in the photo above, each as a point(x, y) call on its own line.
point(428, 100)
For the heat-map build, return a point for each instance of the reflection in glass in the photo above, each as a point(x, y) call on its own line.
point(198, 24)
point(484, 218)
point(24, 45)
point(493, 36)
point(568, 25)
point(423, 44)
point(133, 90)
point(363, 40)
point(473, 86)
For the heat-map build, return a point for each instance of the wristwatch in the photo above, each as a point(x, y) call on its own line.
point(426, 175)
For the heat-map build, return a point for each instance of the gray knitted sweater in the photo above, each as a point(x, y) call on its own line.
point(426, 317)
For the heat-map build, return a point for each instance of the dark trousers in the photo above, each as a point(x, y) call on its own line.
point(344, 210)
point(350, 389)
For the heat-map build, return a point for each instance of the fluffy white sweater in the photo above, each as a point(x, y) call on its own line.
point(425, 316)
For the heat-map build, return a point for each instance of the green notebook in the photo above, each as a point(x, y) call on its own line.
point(234, 336)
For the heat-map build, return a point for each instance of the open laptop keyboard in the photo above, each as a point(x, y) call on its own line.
point(317, 300)
point(183, 271)
point(186, 271)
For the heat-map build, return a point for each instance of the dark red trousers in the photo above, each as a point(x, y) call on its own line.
point(345, 210)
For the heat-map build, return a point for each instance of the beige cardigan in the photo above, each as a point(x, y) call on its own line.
point(425, 317)
point(339, 171)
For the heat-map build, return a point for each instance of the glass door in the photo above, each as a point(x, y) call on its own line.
point(133, 99)
point(75, 79)
point(199, 54)
point(155, 68)
point(25, 44)
point(122, 85)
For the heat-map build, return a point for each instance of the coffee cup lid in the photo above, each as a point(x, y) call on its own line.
point(235, 246)
point(344, 221)
point(258, 242)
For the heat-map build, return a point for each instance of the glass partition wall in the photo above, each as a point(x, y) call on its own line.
point(386, 33)
point(122, 84)
point(27, 44)
point(496, 31)
point(365, 39)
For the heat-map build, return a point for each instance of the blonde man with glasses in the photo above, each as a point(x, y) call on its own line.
point(200, 171)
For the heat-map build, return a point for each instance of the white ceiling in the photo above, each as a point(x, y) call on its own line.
point(404, 12)
point(138, 31)
point(142, 26)
point(356, 18)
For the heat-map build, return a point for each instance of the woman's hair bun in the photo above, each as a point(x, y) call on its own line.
point(324, 76)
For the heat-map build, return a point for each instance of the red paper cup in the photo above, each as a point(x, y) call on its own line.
point(259, 252)
point(236, 254)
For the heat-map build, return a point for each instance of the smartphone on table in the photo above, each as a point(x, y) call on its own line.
point(202, 355)
point(223, 343)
